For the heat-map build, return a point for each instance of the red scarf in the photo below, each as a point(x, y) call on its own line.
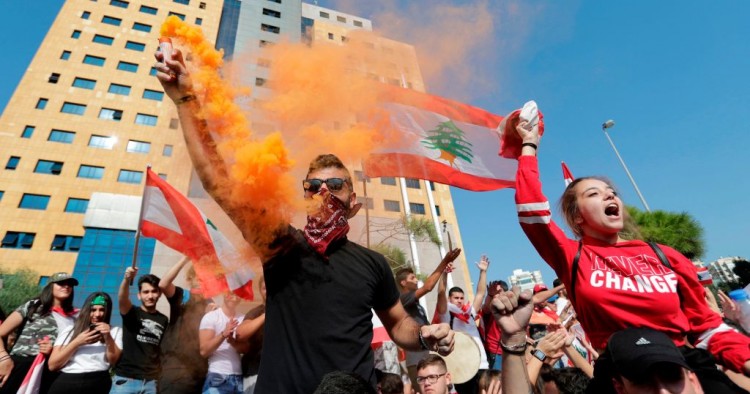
point(465, 314)
point(328, 225)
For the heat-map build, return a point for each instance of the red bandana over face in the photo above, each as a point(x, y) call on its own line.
point(328, 225)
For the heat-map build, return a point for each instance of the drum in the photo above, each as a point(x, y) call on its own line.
point(463, 362)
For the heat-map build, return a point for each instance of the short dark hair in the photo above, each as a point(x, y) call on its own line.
point(455, 289)
point(151, 279)
point(431, 359)
point(568, 380)
point(343, 382)
point(556, 282)
point(402, 274)
point(327, 161)
point(390, 383)
point(503, 285)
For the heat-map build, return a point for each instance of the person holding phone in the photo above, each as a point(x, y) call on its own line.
point(85, 351)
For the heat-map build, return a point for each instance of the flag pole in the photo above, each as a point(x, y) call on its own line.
point(138, 227)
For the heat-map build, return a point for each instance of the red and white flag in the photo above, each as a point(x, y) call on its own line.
point(174, 221)
point(442, 141)
point(567, 176)
point(32, 383)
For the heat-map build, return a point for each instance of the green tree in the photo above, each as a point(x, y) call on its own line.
point(449, 139)
point(18, 287)
point(677, 230)
point(394, 255)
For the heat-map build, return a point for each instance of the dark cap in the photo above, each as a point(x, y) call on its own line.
point(634, 351)
point(62, 277)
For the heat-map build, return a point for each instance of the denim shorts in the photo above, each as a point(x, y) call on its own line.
point(222, 384)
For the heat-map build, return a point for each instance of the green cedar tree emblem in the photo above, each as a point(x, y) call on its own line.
point(449, 139)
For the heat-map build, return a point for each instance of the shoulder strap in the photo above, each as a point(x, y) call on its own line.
point(574, 271)
point(660, 254)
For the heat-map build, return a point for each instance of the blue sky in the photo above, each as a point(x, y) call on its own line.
point(673, 75)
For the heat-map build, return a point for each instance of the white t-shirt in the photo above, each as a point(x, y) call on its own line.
point(88, 358)
point(467, 328)
point(224, 360)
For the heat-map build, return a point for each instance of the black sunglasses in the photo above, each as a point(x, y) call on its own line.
point(314, 184)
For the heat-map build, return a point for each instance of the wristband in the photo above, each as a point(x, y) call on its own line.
point(531, 144)
point(422, 342)
point(185, 99)
point(514, 349)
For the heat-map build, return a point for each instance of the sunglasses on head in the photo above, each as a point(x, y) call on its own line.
point(314, 184)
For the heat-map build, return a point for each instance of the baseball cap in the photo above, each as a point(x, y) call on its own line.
point(634, 351)
point(62, 277)
point(539, 287)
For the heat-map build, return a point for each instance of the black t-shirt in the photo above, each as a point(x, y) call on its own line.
point(142, 333)
point(413, 308)
point(318, 313)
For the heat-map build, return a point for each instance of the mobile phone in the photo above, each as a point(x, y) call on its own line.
point(92, 326)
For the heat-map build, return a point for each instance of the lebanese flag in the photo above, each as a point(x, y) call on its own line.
point(33, 380)
point(442, 141)
point(174, 221)
point(567, 176)
point(379, 333)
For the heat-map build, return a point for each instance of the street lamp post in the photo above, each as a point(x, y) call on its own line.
point(608, 125)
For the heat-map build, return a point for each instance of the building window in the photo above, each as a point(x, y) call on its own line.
point(2, 193)
point(167, 151)
point(163, 176)
point(174, 123)
point(388, 180)
point(198, 21)
point(110, 114)
point(432, 186)
point(53, 78)
point(76, 34)
point(264, 43)
point(84, 83)
point(90, 172)
point(344, 39)
point(129, 176)
point(135, 46)
point(41, 103)
point(152, 71)
point(147, 120)
point(264, 62)
point(360, 176)
point(148, 10)
point(93, 60)
point(367, 202)
point(102, 142)
point(76, 205)
point(260, 81)
point(270, 28)
point(271, 13)
point(48, 167)
point(66, 243)
point(122, 90)
point(142, 27)
point(100, 39)
point(186, 2)
point(65, 55)
point(119, 3)
point(358, 23)
point(85, 15)
point(392, 206)
point(16, 240)
point(437, 209)
point(341, 19)
point(181, 16)
point(153, 95)
point(417, 208)
point(324, 15)
point(129, 67)
point(73, 108)
point(34, 201)
point(412, 183)
point(61, 136)
point(111, 20)
point(330, 36)
point(28, 131)
point(138, 146)
point(202, 5)
point(275, 1)
point(12, 163)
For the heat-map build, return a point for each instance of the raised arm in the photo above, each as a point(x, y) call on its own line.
point(406, 332)
point(434, 277)
point(123, 295)
point(441, 306)
point(166, 284)
point(483, 264)
point(512, 311)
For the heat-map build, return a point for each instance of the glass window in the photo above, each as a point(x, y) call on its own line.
point(392, 206)
point(138, 146)
point(275, 1)
point(142, 27)
point(12, 163)
point(360, 176)
point(28, 131)
point(62, 136)
point(76, 34)
point(181, 16)
point(167, 151)
point(115, 88)
point(417, 208)
point(119, 3)
point(341, 19)
point(358, 23)
point(34, 201)
point(2, 193)
point(152, 71)
point(432, 186)
point(129, 67)
point(260, 81)
point(412, 183)
point(41, 103)
point(135, 46)
point(94, 60)
point(90, 172)
point(48, 167)
point(437, 209)
point(84, 83)
point(330, 36)
point(110, 114)
point(153, 95)
point(163, 176)
point(202, 5)
point(66, 243)
point(198, 21)
point(18, 240)
point(73, 108)
point(53, 78)
point(76, 205)
point(324, 15)
point(186, 2)
point(271, 13)
point(388, 180)
point(100, 39)
point(129, 176)
point(270, 28)
point(111, 20)
point(102, 142)
point(85, 15)
point(65, 55)
point(148, 10)
point(147, 120)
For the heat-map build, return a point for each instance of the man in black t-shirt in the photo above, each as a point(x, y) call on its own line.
point(143, 328)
